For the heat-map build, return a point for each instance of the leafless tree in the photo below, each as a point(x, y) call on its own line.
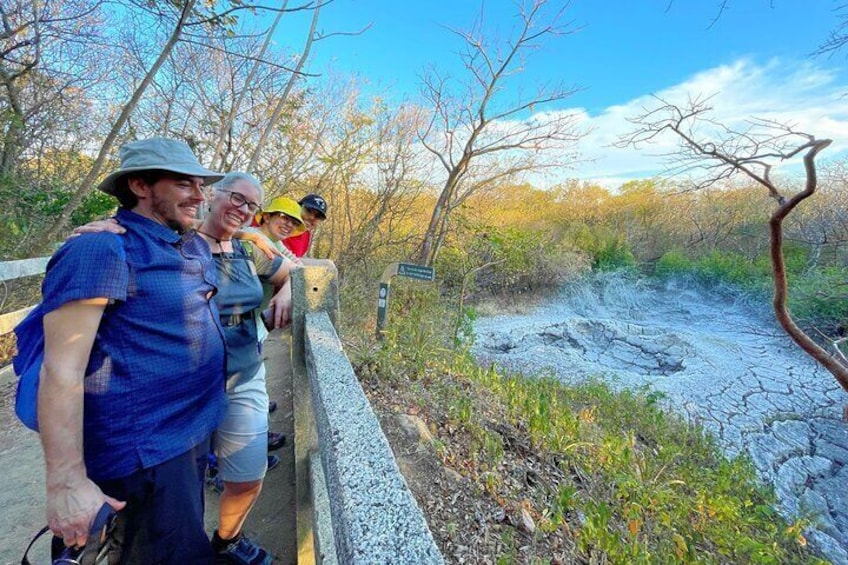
point(184, 12)
point(713, 151)
point(838, 37)
point(272, 121)
point(385, 191)
point(48, 52)
point(282, 100)
point(480, 135)
point(187, 21)
point(226, 127)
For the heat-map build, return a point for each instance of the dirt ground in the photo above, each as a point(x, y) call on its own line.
point(22, 495)
point(472, 520)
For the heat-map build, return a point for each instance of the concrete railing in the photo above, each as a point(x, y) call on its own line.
point(353, 505)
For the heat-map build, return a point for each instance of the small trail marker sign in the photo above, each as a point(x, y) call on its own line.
point(410, 270)
point(419, 272)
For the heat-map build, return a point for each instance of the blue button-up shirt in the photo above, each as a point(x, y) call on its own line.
point(154, 386)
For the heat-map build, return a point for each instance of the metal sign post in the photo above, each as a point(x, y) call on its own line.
point(410, 270)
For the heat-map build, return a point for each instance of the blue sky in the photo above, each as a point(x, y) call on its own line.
point(755, 58)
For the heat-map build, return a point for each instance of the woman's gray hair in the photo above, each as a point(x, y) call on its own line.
point(232, 178)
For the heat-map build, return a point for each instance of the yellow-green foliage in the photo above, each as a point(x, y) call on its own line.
point(36, 193)
point(504, 259)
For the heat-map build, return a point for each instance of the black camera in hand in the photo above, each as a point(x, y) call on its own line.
point(102, 546)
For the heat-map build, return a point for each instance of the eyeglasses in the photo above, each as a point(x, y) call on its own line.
point(238, 200)
point(286, 218)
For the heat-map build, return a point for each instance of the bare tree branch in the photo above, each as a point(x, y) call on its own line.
point(484, 126)
point(720, 152)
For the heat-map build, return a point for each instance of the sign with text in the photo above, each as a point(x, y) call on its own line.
point(410, 270)
point(419, 272)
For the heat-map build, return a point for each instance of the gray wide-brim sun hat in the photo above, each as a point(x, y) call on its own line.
point(158, 153)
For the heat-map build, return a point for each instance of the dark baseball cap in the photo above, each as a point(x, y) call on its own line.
point(316, 203)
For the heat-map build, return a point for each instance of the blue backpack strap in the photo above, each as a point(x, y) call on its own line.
point(27, 363)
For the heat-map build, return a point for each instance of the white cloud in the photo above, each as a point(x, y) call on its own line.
point(801, 93)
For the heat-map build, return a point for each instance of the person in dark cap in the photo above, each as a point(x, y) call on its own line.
point(132, 334)
point(313, 211)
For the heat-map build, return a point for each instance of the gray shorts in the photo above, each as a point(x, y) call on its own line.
point(241, 441)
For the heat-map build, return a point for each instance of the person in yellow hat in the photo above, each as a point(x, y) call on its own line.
point(277, 221)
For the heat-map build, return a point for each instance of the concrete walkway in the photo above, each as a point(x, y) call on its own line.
point(271, 522)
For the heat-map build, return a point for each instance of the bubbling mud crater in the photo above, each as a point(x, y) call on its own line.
point(719, 359)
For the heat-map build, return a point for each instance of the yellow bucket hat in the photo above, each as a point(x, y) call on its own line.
point(287, 206)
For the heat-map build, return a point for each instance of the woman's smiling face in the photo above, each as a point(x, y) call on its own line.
point(280, 226)
point(233, 207)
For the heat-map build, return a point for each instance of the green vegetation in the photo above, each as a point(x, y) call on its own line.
point(607, 249)
point(617, 476)
point(31, 203)
point(628, 482)
point(817, 296)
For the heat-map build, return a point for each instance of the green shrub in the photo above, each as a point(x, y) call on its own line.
point(673, 263)
point(607, 249)
point(732, 268)
point(817, 298)
point(32, 204)
point(501, 260)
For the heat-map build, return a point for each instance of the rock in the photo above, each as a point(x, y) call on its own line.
point(795, 472)
point(813, 504)
point(828, 546)
point(765, 451)
point(793, 433)
point(833, 491)
point(414, 427)
point(834, 430)
point(835, 453)
point(453, 475)
point(527, 524)
point(817, 467)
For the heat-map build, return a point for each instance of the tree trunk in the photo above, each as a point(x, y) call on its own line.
point(278, 110)
point(429, 246)
point(218, 156)
point(814, 350)
point(85, 187)
point(12, 140)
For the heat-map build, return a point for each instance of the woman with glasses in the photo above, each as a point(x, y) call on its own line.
point(241, 439)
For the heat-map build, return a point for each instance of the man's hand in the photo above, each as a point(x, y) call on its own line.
point(72, 506)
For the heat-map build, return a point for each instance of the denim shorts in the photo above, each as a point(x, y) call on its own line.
point(241, 441)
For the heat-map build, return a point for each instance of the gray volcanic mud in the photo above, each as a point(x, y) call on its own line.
point(723, 361)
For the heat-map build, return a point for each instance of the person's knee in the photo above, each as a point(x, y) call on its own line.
point(238, 489)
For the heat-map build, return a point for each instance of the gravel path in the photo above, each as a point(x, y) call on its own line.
point(726, 363)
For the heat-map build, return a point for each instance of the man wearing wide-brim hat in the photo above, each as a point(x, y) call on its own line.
point(131, 333)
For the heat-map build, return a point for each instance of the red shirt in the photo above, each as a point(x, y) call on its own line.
point(298, 244)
